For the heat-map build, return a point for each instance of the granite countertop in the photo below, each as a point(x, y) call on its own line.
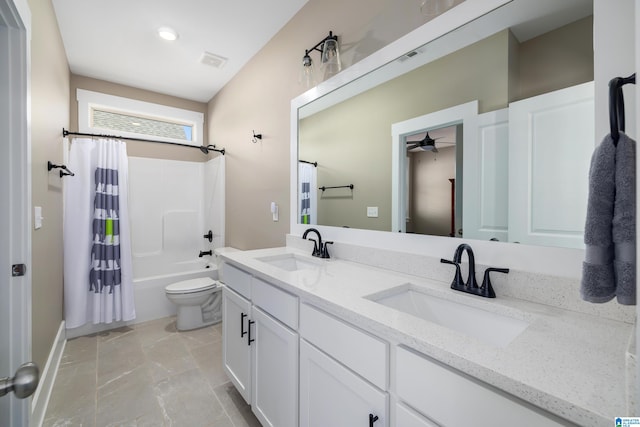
point(568, 363)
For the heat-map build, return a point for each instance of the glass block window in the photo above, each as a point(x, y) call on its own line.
point(104, 114)
point(143, 126)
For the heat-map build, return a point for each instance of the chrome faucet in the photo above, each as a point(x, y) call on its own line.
point(319, 248)
point(203, 253)
point(471, 285)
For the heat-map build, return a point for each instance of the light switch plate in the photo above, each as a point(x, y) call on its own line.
point(372, 211)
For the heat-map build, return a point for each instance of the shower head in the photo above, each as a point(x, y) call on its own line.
point(204, 149)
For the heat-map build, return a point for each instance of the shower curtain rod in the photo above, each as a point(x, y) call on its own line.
point(204, 149)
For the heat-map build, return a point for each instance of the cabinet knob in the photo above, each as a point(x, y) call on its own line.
point(372, 419)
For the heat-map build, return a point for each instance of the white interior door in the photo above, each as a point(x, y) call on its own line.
point(15, 195)
point(486, 169)
point(465, 114)
point(551, 139)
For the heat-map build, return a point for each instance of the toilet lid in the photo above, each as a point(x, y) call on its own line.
point(191, 285)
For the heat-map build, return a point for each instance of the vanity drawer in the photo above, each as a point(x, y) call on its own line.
point(280, 304)
point(356, 349)
point(236, 279)
point(452, 399)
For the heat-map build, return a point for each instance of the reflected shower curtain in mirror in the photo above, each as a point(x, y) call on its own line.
point(307, 194)
point(98, 276)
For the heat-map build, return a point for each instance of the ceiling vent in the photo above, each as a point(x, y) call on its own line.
point(213, 60)
point(407, 56)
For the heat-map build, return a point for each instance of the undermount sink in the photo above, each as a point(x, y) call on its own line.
point(492, 328)
point(290, 262)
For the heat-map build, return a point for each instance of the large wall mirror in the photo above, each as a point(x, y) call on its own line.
point(483, 133)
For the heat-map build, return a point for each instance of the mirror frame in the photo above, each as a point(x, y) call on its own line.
point(554, 261)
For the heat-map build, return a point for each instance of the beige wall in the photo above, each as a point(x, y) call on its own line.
point(431, 191)
point(139, 148)
point(49, 113)
point(351, 140)
point(259, 98)
point(555, 60)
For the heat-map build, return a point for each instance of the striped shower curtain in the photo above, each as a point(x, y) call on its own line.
point(105, 252)
point(98, 276)
point(307, 193)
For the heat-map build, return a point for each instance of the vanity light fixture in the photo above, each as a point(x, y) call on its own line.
point(330, 60)
point(167, 33)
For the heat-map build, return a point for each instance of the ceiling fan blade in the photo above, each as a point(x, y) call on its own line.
point(411, 147)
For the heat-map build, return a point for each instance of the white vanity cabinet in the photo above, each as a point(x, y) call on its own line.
point(343, 373)
point(260, 346)
point(449, 398)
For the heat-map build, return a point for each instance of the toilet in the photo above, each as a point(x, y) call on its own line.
point(198, 301)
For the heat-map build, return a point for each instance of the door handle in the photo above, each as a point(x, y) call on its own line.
point(249, 339)
point(242, 331)
point(24, 382)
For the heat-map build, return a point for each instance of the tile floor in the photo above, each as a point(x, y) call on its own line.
point(146, 375)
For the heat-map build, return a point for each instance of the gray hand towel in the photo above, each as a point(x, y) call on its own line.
point(624, 221)
point(609, 267)
point(598, 278)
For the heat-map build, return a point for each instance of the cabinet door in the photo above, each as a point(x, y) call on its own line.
point(275, 371)
point(235, 343)
point(332, 395)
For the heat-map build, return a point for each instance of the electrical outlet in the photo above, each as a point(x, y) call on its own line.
point(372, 211)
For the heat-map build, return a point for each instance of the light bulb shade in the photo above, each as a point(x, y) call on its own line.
point(331, 58)
point(307, 75)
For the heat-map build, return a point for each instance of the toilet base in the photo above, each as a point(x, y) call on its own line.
point(190, 317)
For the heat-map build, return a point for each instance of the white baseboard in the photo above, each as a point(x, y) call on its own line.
point(41, 397)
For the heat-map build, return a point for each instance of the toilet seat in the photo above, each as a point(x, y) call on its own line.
point(191, 286)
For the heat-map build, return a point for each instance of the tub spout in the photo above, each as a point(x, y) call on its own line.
point(203, 253)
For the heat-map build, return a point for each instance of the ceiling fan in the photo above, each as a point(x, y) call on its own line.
point(426, 144)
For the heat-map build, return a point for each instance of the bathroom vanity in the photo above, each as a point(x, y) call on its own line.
point(334, 342)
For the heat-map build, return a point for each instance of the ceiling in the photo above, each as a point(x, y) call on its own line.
point(117, 40)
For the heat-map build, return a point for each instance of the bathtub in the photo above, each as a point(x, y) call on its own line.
point(152, 274)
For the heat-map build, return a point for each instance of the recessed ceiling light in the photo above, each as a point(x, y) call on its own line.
point(167, 33)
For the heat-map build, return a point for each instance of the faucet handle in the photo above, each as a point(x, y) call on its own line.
point(316, 250)
point(457, 279)
point(325, 251)
point(487, 289)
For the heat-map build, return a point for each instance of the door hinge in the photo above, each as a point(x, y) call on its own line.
point(18, 270)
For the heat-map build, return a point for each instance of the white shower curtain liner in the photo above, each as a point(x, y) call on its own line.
point(82, 304)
